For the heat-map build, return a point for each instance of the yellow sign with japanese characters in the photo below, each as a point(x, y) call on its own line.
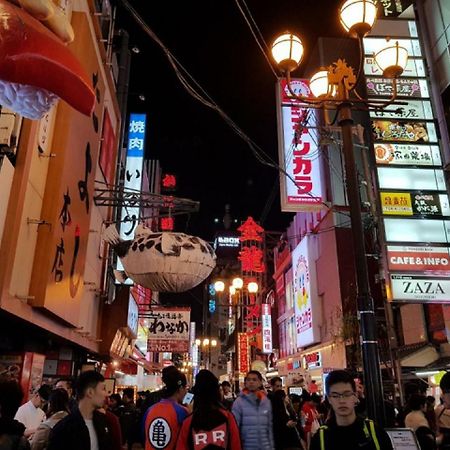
point(396, 203)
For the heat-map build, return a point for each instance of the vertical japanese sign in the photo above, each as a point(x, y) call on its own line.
point(133, 171)
point(252, 268)
point(305, 295)
point(410, 174)
point(243, 353)
point(299, 153)
point(266, 329)
point(59, 262)
point(168, 330)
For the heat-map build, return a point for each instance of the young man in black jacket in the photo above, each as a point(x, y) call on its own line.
point(85, 428)
point(345, 430)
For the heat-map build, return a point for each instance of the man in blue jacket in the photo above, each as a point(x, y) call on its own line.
point(253, 413)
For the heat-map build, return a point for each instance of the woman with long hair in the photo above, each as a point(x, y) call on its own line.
point(163, 420)
point(211, 426)
point(58, 409)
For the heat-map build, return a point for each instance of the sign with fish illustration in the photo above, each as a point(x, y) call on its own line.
point(162, 261)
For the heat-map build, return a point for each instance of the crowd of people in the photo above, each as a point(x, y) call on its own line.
point(86, 418)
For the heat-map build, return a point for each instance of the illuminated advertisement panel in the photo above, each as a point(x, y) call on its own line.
point(416, 288)
point(404, 131)
point(374, 45)
point(418, 230)
point(414, 109)
point(266, 328)
point(406, 87)
point(298, 151)
point(414, 204)
point(407, 154)
point(411, 179)
point(305, 295)
point(418, 259)
point(414, 67)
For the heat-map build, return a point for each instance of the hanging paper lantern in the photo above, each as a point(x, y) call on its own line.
point(163, 262)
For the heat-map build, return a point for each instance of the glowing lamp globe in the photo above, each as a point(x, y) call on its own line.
point(252, 287)
point(205, 342)
point(319, 84)
point(287, 51)
point(358, 16)
point(219, 286)
point(232, 290)
point(213, 343)
point(238, 283)
point(392, 59)
point(198, 342)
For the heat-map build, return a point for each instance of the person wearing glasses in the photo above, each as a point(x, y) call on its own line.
point(344, 430)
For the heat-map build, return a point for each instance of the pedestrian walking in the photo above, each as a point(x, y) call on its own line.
point(253, 413)
point(418, 422)
point(344, 430)
point(163, 421)
point(311, 417)
point(276, 384)
point(11, 431)
point(129, 418)
point(443, 414)
point(210, 424)
point(58, 408)
point(285, 431)
point(228, 396)
point(86, 428)
point(31, 414)
point(67, 385)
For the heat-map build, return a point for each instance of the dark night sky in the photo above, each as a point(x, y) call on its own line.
point(211, 39)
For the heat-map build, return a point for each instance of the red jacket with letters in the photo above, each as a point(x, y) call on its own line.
point(225, 435)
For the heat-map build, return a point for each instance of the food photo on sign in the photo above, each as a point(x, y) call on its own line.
point(390, 130)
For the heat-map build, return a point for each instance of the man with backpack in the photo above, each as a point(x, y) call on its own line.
point(345, 430)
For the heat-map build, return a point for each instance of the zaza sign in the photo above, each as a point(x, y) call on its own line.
point(420, 289)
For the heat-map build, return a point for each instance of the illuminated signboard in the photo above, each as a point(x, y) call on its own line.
point(227, 241)
point(414, 67)
point(266, 328)
point(374, 45)
point(404, 131)
point(406, 87)
point(407, 154)
point(133, 175)
point(414, 203)
point(411, 179)
point(133, 315)
point(414, 109)
point(418, 259)
point(304, 280)
point(418, 230)
point(298, 151)
point(420, 288)
point(312, 360)
point(243, 359)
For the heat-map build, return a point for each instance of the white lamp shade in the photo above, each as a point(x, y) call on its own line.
point(287, 51)
point(219, 286)
point(252, 287)
point(319, 84)
point(238, 283)
point(392, 59)
point(205, 342)
point(232, 290)
point(358, 16)
point(213, 343)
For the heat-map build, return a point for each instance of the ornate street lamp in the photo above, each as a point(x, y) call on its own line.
point(238, 283)
point(335, 88)
point(252, 287)
point(219, 286)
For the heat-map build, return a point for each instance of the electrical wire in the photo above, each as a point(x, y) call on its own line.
point(261, 38)
point(183, 74)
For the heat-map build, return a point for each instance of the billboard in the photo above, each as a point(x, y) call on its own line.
point(414, 204)
point(407, 154)
point(168, 329)
point(418, 259)
point(266, 328)
point(305, 294)
point(418, 288)
point(299, 153)
point(243, 353)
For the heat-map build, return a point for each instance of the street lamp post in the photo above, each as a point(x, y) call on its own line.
point(335, 88)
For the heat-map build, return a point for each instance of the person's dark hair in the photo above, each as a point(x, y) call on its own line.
point(306, 396)
point(11, 396)
point(44, 392)
point(226, 384)
point(165, 374)
point(173, 380)
point(445, 382)
point(128, 392)
point(66, 380)
point(254, 372)
point(295, 398)
point(430, 400)
point(58, 401)
point(275, 380)
point(416, 402)
point(316, 398)
point(86, 380)
point(207, 413)
point(339, 376)
point(117, 398)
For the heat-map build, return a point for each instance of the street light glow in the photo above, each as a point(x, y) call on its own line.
point(213, 343)
point(238, 283)
point(319, 84)
point(252, 287)
point(205, 342)
point(358, 16)
point(287, 51)
point(232, 290)
point(198, 342)
point(219, 286)
point(392, 59)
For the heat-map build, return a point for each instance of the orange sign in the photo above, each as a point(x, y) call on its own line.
point(418, 259)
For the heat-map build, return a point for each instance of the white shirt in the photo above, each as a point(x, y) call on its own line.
point(30, 416)
point(92, 434)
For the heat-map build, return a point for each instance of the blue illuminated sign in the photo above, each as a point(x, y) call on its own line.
point(136, 135)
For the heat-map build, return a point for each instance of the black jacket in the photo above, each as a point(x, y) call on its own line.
point(71, 433)
point(11, 435)
point(351, 437)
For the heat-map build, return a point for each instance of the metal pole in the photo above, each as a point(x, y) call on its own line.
point(366, 312)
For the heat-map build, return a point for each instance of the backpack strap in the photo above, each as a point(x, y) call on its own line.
point(372, 433)
point(322, 436)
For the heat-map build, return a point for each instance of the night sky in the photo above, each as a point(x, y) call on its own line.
point(213, 42)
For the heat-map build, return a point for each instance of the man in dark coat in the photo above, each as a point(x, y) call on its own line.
point(86, 428)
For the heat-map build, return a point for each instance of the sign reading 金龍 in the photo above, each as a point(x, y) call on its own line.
point(168, 329)
point(301, 188)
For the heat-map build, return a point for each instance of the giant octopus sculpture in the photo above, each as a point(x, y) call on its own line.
point(162, 261)
point(36, 66)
